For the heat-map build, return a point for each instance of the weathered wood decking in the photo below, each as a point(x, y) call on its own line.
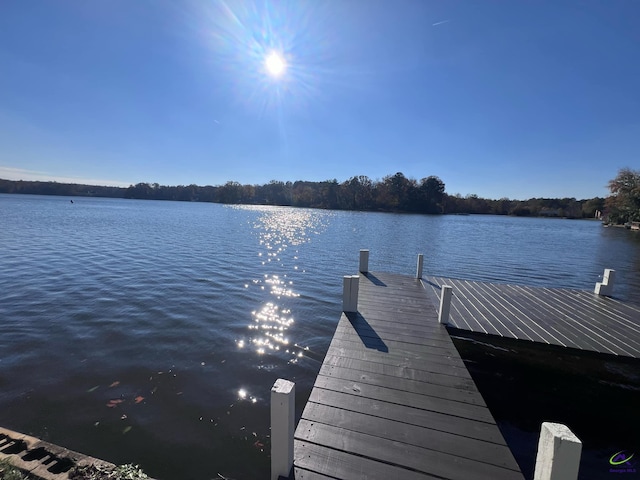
point(393, 398)
point(568, 318)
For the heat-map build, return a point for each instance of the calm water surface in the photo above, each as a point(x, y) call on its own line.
point(151, 332)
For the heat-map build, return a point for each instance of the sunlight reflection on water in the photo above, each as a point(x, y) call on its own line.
point(278, 229)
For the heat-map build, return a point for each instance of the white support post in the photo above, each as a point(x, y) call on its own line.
point(354, 291)
point(364, 261)
point(346, 293)
point(445, 304)
point(420, 265)
point(606, 286)
point(283, 403)
point(350, 290)
point(559, 453)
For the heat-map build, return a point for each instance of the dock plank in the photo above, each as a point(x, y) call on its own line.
point(399, 397)
point(417, 436)
point(313, 462)
point(419, 459)
point(379, 330)
point(415, 370)
point(413, 416)
point(452, 393)
point(414, 349)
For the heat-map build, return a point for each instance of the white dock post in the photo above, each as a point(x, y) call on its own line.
point(364, 261)
point(609, 278)
point(558, 453)
point(420, 265)
point(346, 293)
point(354, 291)
point(445, 304)
point(606, 286)
point(350, 290)
point(283, 402)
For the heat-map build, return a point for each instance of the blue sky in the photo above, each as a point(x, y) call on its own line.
point(498, 98)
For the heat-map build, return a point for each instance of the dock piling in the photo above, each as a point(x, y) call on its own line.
point(346, 293)
point(355, 289)
point(445, 304)
point(283, 402)
point(559, 453)
point(420, 265)
point(364, 261)
point(606, 286)
point(350, 289)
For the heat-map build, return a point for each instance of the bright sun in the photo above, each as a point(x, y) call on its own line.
point(275, 64)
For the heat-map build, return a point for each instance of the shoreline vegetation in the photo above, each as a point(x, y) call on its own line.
point(89, 472)
point(394, 193)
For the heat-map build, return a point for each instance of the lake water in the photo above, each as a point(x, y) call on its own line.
point(151, 332)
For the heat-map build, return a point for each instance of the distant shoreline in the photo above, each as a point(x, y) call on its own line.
point(394, 194)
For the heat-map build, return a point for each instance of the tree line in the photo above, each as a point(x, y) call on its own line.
point(394, 193)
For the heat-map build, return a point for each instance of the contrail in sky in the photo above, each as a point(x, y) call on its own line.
point(440, 23)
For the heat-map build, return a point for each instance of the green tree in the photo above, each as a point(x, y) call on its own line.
point(329, 194)
point(396, 192)
point(230, 192)
point(431, 194)
point(624, 203)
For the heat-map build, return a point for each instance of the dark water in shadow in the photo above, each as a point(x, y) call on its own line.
point(151, 332)
point(596, 396)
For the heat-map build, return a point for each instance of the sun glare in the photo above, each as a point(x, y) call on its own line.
point(275, 64)
point(271, 49)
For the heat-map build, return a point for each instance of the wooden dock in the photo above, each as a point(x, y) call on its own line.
point(393, 398)
point(568, 318)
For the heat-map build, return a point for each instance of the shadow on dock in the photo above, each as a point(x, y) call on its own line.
point(375, 280)
point(366, 332)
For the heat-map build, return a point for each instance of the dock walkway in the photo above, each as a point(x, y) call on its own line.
point(555, 316)
point(393, 398)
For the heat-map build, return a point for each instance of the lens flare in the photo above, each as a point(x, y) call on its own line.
point(275, 64)
point(276, 53)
